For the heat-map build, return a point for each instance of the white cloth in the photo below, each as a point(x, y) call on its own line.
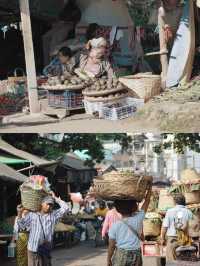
point(96, 43)
point(115, 34)
point(171, 217)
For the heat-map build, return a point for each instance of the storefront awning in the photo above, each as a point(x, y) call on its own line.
point(9, 174)
point(23, 155)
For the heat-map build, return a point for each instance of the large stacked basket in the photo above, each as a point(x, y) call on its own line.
point(121, 185)
point(144, 85)
point(31, 199)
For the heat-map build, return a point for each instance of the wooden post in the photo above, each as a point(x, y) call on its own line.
point(163, 48)
point(29, 56)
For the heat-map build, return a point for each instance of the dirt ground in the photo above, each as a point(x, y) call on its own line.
point(81, 255)
point(86, 255)
point(176, 110)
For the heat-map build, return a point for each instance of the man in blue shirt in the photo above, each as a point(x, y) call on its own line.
point(176, 218)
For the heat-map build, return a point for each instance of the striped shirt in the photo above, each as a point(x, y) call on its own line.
point(48, 221)
point(123, 236)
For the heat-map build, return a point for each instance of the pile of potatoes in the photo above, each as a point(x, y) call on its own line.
point(103, 84)
point(67, 80)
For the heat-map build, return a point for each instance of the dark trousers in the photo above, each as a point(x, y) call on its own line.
point(34, 259)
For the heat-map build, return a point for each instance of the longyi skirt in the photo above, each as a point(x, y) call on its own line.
point(124, 257)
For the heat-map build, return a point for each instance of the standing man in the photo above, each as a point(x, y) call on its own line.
point(175, 226)
point(41, 225)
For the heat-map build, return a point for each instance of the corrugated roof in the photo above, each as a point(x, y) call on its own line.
point(9, 174)
point(37, 161)
point(73, 161)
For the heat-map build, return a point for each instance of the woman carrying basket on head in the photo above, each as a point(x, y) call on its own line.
point(125, 235)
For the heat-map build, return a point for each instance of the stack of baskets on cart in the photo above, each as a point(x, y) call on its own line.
point(121, 185)
point(33, 191)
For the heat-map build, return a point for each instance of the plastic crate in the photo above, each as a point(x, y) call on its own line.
point(153, 249)
point(65, 99)
point(121, 110)
point(93, 107)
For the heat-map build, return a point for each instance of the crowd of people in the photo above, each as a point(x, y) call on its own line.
point(121, 228)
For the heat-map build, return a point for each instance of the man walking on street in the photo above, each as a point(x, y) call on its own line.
point(42, 226)
point(176, 222)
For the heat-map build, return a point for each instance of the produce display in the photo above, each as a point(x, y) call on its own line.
point(189, 185)
point(103, 85)
point(104, 90)
point(166, 200)
point(67, 81)
point(152, 224)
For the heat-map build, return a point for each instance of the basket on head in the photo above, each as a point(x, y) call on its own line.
point(190, 176)
point(31, 199)
point(121, 185)
point(166, 200)
point(192, 197)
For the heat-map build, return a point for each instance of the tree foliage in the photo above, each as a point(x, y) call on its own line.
point(180, 142)
point(53, 149)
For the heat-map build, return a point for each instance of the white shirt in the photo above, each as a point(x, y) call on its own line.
point(169, 220)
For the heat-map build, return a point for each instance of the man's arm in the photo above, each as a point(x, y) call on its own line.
point(23, 219)
point(111, 249)
point(147, 198)
point(64, 208)
point(163, 234)
point(165, 226)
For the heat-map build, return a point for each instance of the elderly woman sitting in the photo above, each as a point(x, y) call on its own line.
point(94, 63)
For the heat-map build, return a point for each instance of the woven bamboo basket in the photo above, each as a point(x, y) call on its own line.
point(143, 85)
point(192, 197)
point(121, 185)
point(151, 228)
point(31, 199)
point(166, 201)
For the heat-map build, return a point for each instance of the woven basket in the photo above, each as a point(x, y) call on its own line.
point(150, 228)
point(192, 197)
point(166, 201)
point(145, 86)
point(31, 199)
point(119, 185)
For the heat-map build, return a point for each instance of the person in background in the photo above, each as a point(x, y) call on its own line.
point(64, 63)
point(112, 216)
point(41, 225)
point(176, 219)
point(21, 238)
point(102, 210)
point(125, 235)
point(61, 29)
point(94, 63)
point(78, 44)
